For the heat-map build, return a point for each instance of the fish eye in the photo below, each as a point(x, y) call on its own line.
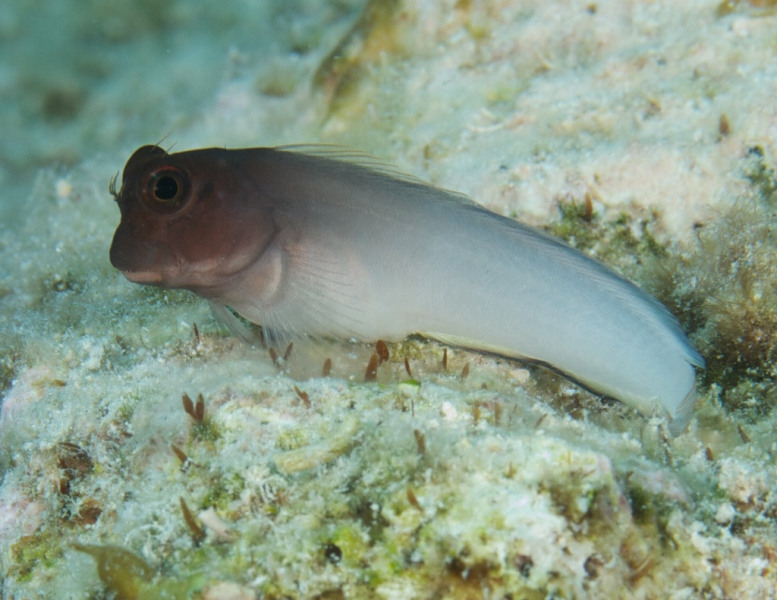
point(166, 189)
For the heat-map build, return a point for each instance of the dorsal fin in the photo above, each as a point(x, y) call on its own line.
point(357, 158)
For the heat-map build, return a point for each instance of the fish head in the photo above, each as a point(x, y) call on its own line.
point(189, 220)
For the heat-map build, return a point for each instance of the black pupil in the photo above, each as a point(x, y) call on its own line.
point(165, 188)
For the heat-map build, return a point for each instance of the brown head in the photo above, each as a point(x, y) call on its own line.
point(189, 220)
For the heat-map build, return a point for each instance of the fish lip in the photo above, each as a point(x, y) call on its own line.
point(143, 277)
point(181, 278)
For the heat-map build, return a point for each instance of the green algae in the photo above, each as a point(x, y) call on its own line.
point(623, 242)
point(761, 175)
point(222, 490)
point(725, 294)
point(293, 438)
point(7, 368)
point(41, 550)
point(207, 432)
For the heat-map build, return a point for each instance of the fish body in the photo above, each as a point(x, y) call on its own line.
point(312, 244)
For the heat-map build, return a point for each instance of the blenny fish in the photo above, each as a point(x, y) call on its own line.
point(314, 242)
